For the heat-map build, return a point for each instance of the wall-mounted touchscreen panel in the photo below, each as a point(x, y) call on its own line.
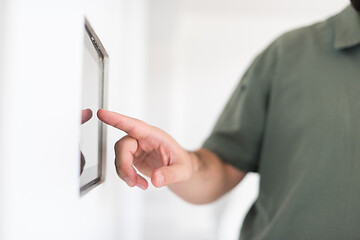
point(92, 140)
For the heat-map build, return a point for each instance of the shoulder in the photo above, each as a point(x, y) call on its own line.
point(305, 40)
point(299, 41)
point(291, 51)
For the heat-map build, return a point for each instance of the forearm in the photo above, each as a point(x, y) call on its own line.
point(211, 178)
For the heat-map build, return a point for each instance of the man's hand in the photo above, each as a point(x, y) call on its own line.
point(152, 151)
point(199, 177)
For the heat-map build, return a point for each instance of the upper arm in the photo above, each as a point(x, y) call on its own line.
point(239, 132)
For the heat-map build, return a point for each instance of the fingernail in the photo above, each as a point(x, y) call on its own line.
point(141, 186)
point(128, 181)
point(160, 179)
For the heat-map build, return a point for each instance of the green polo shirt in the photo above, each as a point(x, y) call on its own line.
point(295, 119)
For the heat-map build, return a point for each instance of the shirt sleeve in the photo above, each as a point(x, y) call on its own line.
point(237, 135)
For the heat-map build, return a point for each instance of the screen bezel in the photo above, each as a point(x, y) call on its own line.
point(103, 57)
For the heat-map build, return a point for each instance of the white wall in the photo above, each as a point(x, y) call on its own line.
point(39, 149)
point(2, 30)
point(40, 103)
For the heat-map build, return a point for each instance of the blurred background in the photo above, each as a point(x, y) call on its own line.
point(173, 64)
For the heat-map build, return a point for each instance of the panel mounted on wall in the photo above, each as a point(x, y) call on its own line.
point(93, 138)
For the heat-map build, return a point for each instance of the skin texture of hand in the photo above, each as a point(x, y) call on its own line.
point(152, 151)
point(198, 177)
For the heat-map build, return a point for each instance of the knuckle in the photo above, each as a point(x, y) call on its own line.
point(117, 145)
point(140, 122)
point(120, 142)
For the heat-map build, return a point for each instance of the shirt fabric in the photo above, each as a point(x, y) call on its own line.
point(295, 119)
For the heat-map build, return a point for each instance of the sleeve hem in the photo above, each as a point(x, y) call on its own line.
point(217, 148)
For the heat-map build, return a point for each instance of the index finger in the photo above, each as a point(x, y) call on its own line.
point(133, 127)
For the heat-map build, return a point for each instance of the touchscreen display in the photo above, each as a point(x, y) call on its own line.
point(92, 140)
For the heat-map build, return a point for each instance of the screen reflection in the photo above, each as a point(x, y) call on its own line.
point(86, 115)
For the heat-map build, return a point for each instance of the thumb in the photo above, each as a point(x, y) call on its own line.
point(175, 173)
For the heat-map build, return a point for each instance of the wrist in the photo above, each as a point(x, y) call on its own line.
point(195, 159)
